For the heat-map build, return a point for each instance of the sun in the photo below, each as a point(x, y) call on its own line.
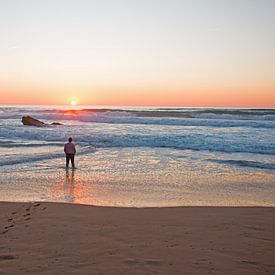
point(73, 102)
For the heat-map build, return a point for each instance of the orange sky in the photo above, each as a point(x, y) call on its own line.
point(258, 97)
point(168, 53)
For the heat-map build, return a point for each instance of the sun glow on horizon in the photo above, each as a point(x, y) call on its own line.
point(73, 103)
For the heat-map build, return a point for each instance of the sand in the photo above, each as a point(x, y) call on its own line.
point(49, 238)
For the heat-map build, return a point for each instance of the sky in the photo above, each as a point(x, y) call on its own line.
point(215, 53)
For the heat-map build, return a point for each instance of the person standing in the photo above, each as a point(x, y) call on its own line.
point(69, 149)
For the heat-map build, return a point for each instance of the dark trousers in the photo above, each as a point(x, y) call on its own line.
point(68, 158)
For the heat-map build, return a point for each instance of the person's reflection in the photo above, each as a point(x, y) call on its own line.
point(69, 186)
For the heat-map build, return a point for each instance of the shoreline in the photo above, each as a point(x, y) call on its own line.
point(137, 207)
point(58, 238)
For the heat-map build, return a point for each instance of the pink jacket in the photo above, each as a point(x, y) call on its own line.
point(69, 148)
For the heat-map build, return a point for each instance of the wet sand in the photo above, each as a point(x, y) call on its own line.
point(51, 238)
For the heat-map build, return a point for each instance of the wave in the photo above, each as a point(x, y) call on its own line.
point(167, 121)
point(124, 128)
point(267, 114)
point(13, 144)
point(128, 118)
point(41, 157)
point(107, 138)
point(246, 163)
point(185, 113)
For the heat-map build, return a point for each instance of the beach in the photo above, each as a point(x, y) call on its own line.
point(57, 238)
point(156, 191)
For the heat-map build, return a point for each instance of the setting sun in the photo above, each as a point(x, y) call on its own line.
point(73, 102)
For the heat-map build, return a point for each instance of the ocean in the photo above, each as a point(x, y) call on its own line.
point(140, 156)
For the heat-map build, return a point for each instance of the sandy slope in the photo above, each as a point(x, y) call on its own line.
point(48, 238)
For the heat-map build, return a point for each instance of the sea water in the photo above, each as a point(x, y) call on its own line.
point(139, 156)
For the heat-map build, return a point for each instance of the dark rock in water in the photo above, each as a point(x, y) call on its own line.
point(30, 121)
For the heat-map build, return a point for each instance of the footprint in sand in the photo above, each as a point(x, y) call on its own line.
point(250, 262)
point(131, 261)
point(7, 257)
point(152, 262)
point(12, 225)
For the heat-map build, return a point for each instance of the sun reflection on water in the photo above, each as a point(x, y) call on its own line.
point(69, 185)
point(139, 177)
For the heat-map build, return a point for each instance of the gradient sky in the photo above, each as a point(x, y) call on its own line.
point(138, 52)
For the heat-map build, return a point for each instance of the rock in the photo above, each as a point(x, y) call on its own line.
point(30, 121)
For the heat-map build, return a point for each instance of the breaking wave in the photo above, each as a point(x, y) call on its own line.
point(244, 131)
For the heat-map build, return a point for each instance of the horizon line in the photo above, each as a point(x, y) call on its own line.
point(167, 106)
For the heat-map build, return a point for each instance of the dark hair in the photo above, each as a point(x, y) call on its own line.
point(70, 139)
